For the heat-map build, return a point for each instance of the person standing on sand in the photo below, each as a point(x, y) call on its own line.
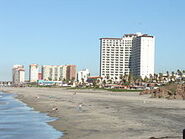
point(79, 108)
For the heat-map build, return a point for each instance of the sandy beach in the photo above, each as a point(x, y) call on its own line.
point(99, 114)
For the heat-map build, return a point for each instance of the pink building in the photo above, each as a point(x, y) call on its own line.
point(71, 72)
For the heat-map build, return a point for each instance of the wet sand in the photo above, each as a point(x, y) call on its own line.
point(99, 114)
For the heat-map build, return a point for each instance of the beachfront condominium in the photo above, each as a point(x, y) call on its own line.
point(18, 74)
point(57, 72)
point(53, 72)
point(33, 72)
point(131, 54)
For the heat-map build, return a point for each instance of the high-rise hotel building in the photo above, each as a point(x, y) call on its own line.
point(18, 74)
point(33, 72)
point(133, 53)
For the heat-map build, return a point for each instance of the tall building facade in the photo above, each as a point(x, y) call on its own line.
point(133, 53)
point(58, 72)
point(33, 72)
point(18, 74)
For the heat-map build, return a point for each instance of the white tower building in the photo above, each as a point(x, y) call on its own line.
point(143, 56)
point(33, 72)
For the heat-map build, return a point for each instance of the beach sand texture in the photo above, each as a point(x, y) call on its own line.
point(99, 114)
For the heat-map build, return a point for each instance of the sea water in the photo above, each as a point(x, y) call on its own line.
point(18, 121)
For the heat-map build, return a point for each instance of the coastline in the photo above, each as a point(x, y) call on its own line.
point(36, 107)
point(104, 114)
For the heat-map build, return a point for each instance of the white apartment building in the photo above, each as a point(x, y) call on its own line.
point(18, 74)
point(33, 72)
point(83, 75)
point(54, 72)
point(118, 56)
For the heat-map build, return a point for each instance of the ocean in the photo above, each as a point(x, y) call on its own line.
point(18, 121)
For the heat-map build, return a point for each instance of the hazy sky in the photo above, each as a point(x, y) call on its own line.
point(68, 31)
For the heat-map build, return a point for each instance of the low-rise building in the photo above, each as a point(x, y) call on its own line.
point(83, 75)
point(49, 83)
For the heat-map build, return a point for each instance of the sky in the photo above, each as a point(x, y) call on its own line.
point(59, 32)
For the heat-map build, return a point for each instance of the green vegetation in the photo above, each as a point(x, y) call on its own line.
point(113, 90)
point(123, 90)
point(82, 88)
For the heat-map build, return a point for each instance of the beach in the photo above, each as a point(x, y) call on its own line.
point(101, 114)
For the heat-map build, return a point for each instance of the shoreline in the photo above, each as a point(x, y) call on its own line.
point(104, 114)
point(39, 109)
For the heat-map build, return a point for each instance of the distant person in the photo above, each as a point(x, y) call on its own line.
point(79, 108)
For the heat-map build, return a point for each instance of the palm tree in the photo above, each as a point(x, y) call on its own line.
point(173, 76)
point(130, 78)
point(116, 78)
point(121, 77)
point(110, 81)
point(146, 79)
point(107, 77)
point(151, 78)
point(160, 77)
point(156, 77)
point(183, 71)
point(167, 75)
point(104, 82)
point(179, 73)
point(49, 78)
point(126, 76)
point(83, 81)
point(137, 79)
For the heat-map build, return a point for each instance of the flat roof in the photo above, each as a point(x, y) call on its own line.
point(111, 38)
point(129, 35)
